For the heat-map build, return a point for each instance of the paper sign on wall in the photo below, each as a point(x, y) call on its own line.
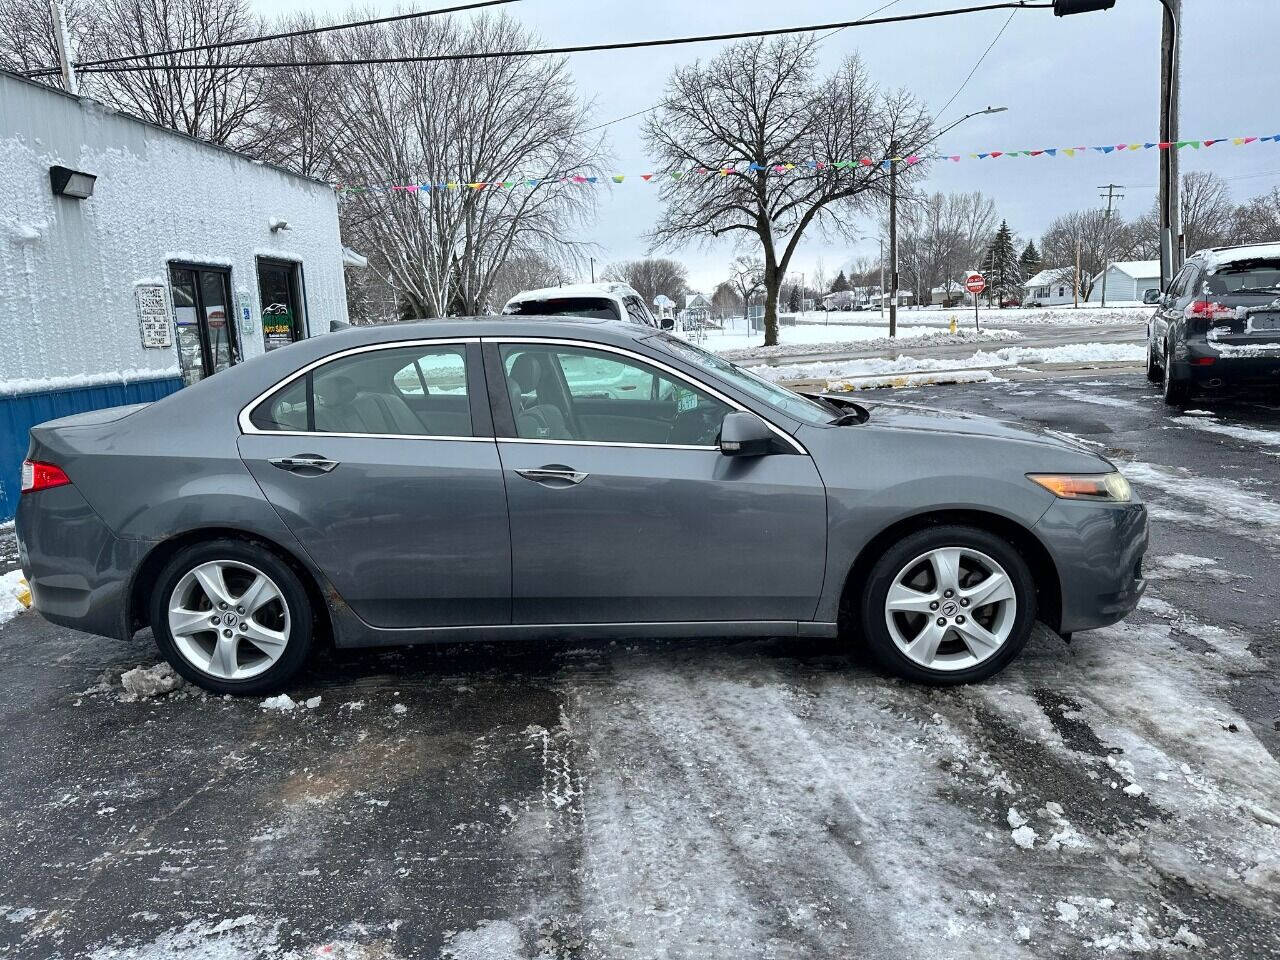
point(154, 322)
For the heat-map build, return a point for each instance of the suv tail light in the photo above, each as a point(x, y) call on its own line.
point(1207, 310)
point(41, 476)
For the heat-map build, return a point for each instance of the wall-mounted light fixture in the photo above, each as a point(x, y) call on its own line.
point(71, 183)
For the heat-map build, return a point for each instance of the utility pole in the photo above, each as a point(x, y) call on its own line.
point(1076, 284)
point(593, 269)
point(1111, 197)
point(1170, 90)
point(63, 42)
point(881, 298)
point(893, 240)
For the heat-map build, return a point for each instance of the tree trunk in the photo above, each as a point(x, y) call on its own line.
point(772, 284)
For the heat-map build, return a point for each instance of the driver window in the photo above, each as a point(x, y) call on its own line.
point(606, 398)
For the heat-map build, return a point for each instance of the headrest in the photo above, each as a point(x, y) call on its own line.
point(336, 391)
point(527, 372)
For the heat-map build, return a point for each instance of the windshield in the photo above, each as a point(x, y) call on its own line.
point(792, 404)
point(601, 308)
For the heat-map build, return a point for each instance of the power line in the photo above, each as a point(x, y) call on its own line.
point(44, 71)
point(638, 113)
point(583, 48)
point(990, 47)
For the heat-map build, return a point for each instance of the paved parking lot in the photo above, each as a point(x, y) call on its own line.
point(1116, 796)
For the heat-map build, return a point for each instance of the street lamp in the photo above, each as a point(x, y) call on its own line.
point(893, 213)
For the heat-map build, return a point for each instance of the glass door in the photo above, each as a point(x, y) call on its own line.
point(206, 331)
point(278, 292)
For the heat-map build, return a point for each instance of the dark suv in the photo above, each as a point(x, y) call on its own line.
point(1219, 322)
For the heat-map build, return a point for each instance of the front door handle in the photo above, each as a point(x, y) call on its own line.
point(554, 476)
point(303, 462)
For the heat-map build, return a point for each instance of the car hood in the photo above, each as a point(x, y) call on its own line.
point(906, 416)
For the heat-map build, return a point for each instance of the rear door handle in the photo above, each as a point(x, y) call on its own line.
point(554, 476)
point(304, 461)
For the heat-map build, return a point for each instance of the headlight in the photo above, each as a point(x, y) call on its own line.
point(1109, 487)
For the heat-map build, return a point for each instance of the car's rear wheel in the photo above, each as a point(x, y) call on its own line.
point(1176, 390)
point(948, 605)
point(232, 617)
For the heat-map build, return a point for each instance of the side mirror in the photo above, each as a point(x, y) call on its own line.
point(1152, 297)
point(745, 435)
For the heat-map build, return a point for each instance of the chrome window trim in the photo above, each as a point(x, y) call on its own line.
point(607, 443)
point(247, 426)
point(650, 361)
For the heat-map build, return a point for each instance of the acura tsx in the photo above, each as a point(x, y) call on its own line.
point(549, 478)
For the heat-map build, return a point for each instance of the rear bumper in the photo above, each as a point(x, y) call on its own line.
point(1210, 362)
point(1098, 549)
point(78, 571)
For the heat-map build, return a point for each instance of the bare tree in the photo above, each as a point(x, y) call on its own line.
point(746, 277)
point(522, 271)
point(1101, 240)
point(27, 39)
point(725, 300)
point(485, 142)
point(651, 276)
point(758, 105)
point(1258, 220)
point(212, 104)
point(943, 235)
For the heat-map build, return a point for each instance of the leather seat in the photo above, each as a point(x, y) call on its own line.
point(538, 420)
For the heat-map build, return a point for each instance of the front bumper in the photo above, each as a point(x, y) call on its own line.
point(78, 571)
point(1098, 549)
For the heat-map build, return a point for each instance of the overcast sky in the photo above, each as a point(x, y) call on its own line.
point(1084, 80)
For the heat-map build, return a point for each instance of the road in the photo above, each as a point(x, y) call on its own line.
point(698, 799)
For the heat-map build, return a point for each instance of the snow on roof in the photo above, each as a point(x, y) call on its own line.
point(604, 288)
point(1046, 277)
point(694, 299)
point(1223, 255)
point(1138, 269)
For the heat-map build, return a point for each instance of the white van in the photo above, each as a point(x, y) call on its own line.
point(608, 301)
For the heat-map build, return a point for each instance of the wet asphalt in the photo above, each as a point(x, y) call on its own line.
point(689, 799)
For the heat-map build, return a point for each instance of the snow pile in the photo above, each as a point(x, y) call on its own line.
point(915, 380)
point(142, 683)
point(281, 703)
point(917, 337)
point(14, 595)
point(1076, 353)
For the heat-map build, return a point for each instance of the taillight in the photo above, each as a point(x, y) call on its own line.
point(41, 476)
point(1207, 310)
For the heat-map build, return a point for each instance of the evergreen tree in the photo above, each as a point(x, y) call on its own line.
point(793, 301)
point(1031, 261)
point(1004, 271)
point(840, 284)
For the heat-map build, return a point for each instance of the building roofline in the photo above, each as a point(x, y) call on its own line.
point(81, 100)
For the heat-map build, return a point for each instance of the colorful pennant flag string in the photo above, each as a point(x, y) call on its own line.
point(781, 169)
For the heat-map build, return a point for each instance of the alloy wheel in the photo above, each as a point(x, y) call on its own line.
point(951, 608)
point(229, 619)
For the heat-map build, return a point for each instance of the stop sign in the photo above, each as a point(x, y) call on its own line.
point(976, 283)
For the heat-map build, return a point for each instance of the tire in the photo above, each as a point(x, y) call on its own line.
point(1154, 372)
point(890, 635)
point(1176, 390)
point(270, 634)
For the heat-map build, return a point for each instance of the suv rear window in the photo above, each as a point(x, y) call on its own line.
point(601, 308)
point(1260, 277)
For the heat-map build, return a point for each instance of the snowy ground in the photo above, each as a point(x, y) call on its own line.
point(1115, 797)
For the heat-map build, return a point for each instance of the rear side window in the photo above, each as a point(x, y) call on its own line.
point(601, 308)
point(406, 391)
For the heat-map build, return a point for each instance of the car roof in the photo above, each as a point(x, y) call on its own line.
point(573, 328)
point(607, 288)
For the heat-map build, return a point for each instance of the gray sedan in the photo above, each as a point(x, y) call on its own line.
point(524, 478)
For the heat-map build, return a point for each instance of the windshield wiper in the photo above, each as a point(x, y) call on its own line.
point(848, 420)
point(1275, 289)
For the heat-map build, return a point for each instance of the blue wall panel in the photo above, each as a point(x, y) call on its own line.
point(20, 413)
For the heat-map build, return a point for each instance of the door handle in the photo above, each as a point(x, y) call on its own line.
point(553, 476)
point(304, 461)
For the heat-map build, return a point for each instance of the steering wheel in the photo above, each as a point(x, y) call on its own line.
point(698, 426)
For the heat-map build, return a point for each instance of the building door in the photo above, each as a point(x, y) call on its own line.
point(205, 328)
point(280, 295)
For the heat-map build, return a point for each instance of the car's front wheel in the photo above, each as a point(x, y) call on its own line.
point(232, 617)
point(948, 605)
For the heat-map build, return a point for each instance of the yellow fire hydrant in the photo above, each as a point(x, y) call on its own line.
point(954, 328)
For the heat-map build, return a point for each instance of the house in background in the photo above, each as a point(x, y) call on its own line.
point(1049, 288)
point(135, 259)
point(1127, 281)
point(697, 310)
